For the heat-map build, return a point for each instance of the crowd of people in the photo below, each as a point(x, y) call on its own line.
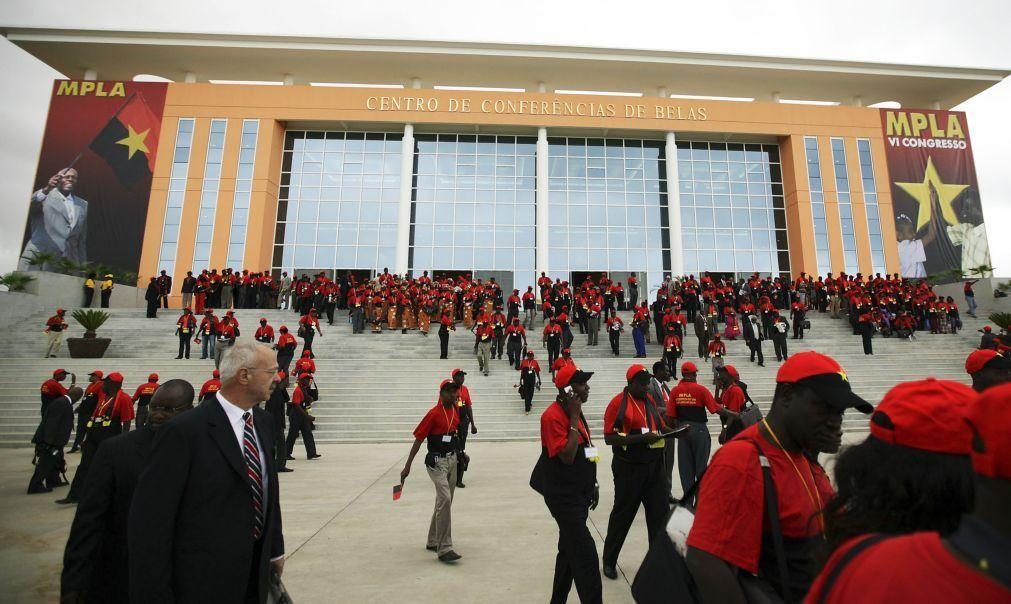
point(930, 476)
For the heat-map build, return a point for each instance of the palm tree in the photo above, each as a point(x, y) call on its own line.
point(41, 260)
point(90, 319)
point(15, 282)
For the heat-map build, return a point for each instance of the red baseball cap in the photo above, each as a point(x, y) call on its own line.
point(115, 376)
point(448, 384)
point(60, 311)
point(59, 372)
point(926, 414)
point(731, 370)
point(456, 371)
point(570, 374)
point(987, 328)
point(689, 367)
point(990, 420)
point(97, 373)
point(566, 350)
point(216, 373)
point(635, 371)
point(284, 328)
point(153, 377)
point(823, 375)
point(986, 359)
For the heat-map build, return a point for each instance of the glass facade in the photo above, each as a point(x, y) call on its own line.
point(473, 205)
point(337, 205)
point(733, 217)
point(814, 181)
point(176, 195)
point(842, 185)
point(871, 205)
point(243, 192)
point(607, 207)
point(209, 195)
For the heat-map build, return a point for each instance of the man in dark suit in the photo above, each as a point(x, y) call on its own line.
point(95, 559)
point(51, 436)
point(205, 522)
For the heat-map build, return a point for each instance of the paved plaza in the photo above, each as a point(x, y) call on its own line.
point(348, 541)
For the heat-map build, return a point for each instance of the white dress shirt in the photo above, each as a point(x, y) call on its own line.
point(239, 427)
point(68, 201)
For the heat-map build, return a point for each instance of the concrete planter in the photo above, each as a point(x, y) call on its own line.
point(88, 348)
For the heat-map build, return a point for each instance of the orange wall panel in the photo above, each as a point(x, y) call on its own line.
point(799, 221)
point(151, 245)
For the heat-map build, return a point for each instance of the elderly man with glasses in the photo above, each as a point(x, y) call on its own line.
point(209, 497)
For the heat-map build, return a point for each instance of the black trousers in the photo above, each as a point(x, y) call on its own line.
point(47, 469)
point(635, 484)
point(82, 428)
point(284, 361)
point(89, 296)
point(88, 449)
point(577, 554)
point(106, 294)
point(443, 344)
point(755, 346)
point(307, 340)
point(299, 424)
point(614, 336)
point(553, 349)
point(461, 433)
point(704, 346)
point(868, 347)
point(498, 344)
point(514, 350)
point(798, 328)
point(184, 345)
point(779, 343)
point(164, 300)
point(280, 450)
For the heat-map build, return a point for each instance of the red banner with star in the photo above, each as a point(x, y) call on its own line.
point(90, 197)
point(938, 215)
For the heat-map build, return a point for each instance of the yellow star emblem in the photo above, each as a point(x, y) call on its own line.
point(134, 142)
point(920, 191)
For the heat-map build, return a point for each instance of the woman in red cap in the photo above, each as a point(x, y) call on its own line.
point(566, 476)
point(969, 565)
point(913, 472)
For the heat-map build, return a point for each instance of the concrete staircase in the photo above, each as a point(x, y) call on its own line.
point(375, 388)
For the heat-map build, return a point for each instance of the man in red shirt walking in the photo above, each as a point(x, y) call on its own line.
point(632, 426)
point(438, 429)
point(142, 396)
point(55, 326)
point(772, 458)
point(688, 405)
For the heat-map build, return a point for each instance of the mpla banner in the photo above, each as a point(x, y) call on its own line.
point(938, 214)
point(89, 201)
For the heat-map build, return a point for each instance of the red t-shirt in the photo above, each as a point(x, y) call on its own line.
point(690, 394)
point(729, 519)
point(145, 391)
point(52, 388)
point(915, 568)
point(120, 406)
point(555, 429)
point(733, 398)
point(438, 420)
point(561, 362)
point(463, 397)
point(635, 416)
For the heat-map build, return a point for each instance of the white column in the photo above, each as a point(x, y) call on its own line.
point(541, 197)
point(404, 208)
point(90, 74)
point(288, 79)
point(542, 87)
point(189, 77)
point(677, 257)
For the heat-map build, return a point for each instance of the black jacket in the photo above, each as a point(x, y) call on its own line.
point(57, 422)
point(191, 520)
point(95, 559)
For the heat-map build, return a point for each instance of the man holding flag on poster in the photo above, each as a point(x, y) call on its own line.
point(58, 216)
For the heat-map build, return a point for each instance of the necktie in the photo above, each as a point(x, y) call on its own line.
point(253, 468)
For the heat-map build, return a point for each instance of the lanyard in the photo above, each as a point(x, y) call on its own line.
point(815, 498)
point(642, 412)
point(449, 425)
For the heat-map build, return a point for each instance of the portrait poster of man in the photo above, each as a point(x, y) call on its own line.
point(938, 214)
point(90, 196)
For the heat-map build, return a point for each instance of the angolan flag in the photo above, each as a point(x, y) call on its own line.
point(129, 141)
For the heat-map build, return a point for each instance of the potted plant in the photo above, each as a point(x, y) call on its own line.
point(90, 346)
point(15, 282)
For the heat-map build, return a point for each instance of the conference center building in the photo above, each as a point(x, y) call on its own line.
point(503, 161)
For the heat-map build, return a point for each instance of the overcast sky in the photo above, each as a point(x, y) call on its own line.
point(929, 32)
